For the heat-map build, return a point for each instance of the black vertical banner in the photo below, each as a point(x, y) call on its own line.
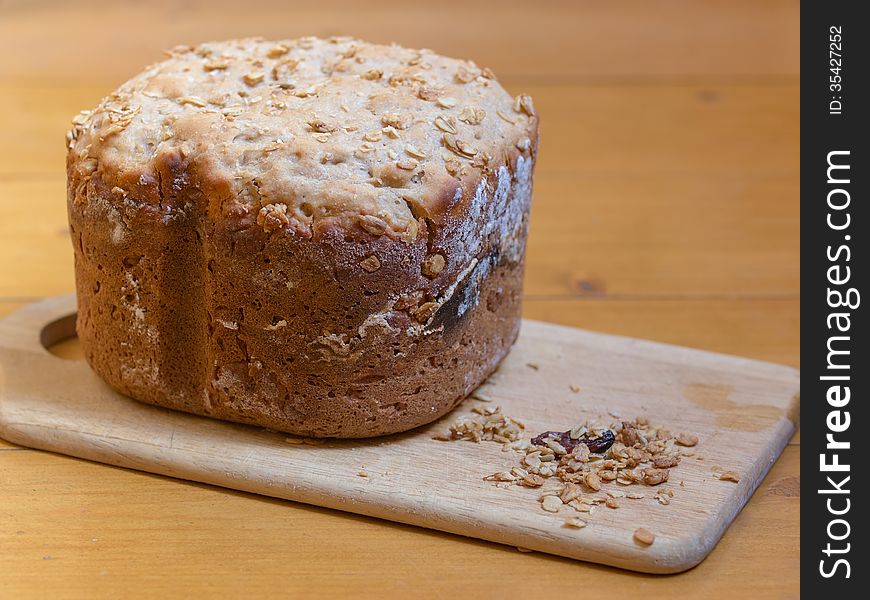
point(835, 169)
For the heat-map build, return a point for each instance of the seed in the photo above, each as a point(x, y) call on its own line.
point(644, 536)
point(551, 503)
point(253, 79)
point(433, 265)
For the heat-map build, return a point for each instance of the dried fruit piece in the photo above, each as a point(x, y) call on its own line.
point(397, 120)
point(320, 126)
point(428, 94)
point(458, 146)
point(373, 225)
point(523, 103)
point(531, 480)
point(655, 476)
point(277, 50)
point(592, 481)
point(597, 445)
point(253, 79)
point(666, 462)
point(445, 124)
point(272, 217)
point(472, 115)
point(465, 75)
point(370, 263)
point(426, 310)
point(575, 522)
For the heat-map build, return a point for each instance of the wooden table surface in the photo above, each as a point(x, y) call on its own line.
point(666, 207)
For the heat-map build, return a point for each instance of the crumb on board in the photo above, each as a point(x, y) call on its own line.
point(575, 523)
point(299, 441)
point(644, 536)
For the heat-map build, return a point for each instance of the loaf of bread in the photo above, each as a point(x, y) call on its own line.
point(323, 237)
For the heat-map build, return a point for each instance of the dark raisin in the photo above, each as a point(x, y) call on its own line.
point(601, 443)
point(597, 445)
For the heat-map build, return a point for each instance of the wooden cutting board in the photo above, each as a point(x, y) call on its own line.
point(744, 412)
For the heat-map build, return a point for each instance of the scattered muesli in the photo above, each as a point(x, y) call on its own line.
point(583, 461)
point(305, 441)
point(490, 425)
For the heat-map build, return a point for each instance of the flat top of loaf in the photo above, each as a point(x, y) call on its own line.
point(304, 130)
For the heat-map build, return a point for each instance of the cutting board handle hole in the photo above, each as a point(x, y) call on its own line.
point(59, 338)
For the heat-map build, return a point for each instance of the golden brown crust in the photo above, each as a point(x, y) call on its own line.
point(318, 317)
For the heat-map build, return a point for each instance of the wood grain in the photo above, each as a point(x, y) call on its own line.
point(742, 410)
point(630, 39)
point(92, 531)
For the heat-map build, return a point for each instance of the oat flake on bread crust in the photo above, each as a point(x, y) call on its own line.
point(324, 237)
